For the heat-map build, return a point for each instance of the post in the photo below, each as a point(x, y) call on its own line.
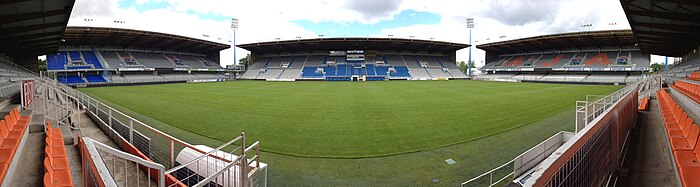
point(172, 153)
point(576, 122)
point(109, 119)
point(470, 26)
point(666, 66)
point(235, 60)
point(244, 161)
point(131, 131)
point(469, 66)
point(234, 26)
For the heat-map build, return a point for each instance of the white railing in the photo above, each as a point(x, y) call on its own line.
point(160, 147)
point(595, 105)
point(154, 80)
point(107, 166)
point(586, 111)
point(521, 163)
point(55, 104)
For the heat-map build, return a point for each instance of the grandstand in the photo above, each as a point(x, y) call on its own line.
point(353, 59)
point(607, 57)
point(53, 135)
point(645, 134)
point(103, 56)
point(403, 133)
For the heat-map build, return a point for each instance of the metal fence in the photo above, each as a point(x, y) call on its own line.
point(106, 166)
point(596, 105)
point(61, 104)
point(153, 80)
point(586, 112)
point(523, 162)
point(594, 153)
point(160, 147)
point(55, 104)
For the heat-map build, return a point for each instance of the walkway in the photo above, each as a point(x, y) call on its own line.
point(648, 161)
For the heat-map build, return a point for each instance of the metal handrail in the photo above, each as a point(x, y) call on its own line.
point(204, 155)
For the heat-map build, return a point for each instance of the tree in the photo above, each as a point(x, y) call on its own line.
point(245, 61)
point(42, 64)
point(655, 67)
point(463, 66)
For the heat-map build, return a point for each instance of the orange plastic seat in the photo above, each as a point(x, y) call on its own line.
point(56, 132)
point(6, 133)
point(3, 170)
point(689, 175)
point(683, 132)
point(55, 152)
point(686, 144)
point(57, 163)
point(19, 118)
point(12, 143)
point(643, 104)
point(677, 125)
point(54, 177)
point(6, 155)
point(12, 123)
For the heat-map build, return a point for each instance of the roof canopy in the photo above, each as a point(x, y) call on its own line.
point(99, 36)
point(562, 41)
point(664, 27)
point(325, 44)
point(32, 27)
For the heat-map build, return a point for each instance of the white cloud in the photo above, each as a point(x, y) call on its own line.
point(264, 20)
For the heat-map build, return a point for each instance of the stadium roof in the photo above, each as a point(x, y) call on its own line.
point(563, 41)
point(322, 44)
point(664, 27)
point(100, 36)
point(32, 27)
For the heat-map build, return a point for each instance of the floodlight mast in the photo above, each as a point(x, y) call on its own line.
point(470, 26)
point(234, 26)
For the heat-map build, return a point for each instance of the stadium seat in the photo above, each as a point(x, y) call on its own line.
point(694, 76)
point(3, 170)
point(643, 105)
point(691, 90)
point(515, 62)
point(56, 166)
point(684, 146)
point(12, 129)
point(57, 163)
point(54, 177)
point(601, 59)
point(683, 132)
point(686, 143)
point(54, 134)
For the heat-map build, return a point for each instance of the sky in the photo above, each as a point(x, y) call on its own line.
point(267, 20)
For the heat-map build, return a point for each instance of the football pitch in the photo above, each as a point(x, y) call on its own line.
point(329, 131)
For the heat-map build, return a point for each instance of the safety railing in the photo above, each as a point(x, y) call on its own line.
point(519, 164)
point(160, 147)
point(106, 166)
point(586, 111)
point(595, 105)
point(55, 104)
point(154, 80)
point(492, 177)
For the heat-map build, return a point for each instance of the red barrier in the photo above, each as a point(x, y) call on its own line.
point(595, 155)
point(169, 179)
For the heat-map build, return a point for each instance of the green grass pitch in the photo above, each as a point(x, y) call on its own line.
point(348, 119)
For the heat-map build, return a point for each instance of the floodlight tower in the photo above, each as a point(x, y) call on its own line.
point(470, 26)
point(234, 26)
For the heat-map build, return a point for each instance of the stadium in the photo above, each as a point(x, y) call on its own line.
point(116, 106)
